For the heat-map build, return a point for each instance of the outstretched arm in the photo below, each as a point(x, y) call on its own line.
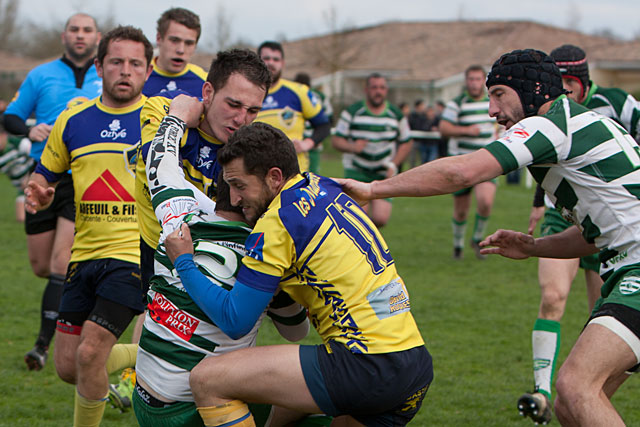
point(441, 176)
point(516, 245)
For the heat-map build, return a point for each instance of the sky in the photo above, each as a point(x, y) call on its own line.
point(257, 20)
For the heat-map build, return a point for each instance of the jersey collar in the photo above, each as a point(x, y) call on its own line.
point(124, 110)
point(157, 69)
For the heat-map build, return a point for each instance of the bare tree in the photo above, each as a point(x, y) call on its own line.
point(8, 19)
point(574, 16)
point(220, 37)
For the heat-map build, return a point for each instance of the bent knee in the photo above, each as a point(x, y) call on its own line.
point(66, 372)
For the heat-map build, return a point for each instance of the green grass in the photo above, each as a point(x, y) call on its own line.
point(475, 317)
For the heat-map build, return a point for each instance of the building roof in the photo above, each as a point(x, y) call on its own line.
point(424, 51)
point(10, 62)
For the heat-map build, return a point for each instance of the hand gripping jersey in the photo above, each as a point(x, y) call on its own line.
point(320, 247)
point(177, 334)
point(617, 105)
point(90, 139)
point(286, 107)
point(189, 80)
point(382, 131)
point(48, 90)
point(588, 165)
point(464, 111)
point(197, 152)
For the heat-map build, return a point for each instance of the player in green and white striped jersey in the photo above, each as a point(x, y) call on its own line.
point(590, 167)
point(556, 275)
point(177, 334)
point(466, 122)
point(375, 137)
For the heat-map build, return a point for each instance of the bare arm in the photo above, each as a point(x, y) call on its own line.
point(342, 144)
point(448, 129)
point(441, 176)
point(512, 244)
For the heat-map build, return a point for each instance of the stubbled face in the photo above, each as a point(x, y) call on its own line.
point(376, 91)
point(176, 48)
point(575, 87)
point(474, 82)
point(274, 61)
point(124, 71)
point(234, 105)
point(505, 105)
point(80, 38)
point(247, 191)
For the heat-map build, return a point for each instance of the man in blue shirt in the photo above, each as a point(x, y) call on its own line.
point(48, 90)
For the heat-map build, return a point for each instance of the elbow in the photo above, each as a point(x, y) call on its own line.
point(238, 330)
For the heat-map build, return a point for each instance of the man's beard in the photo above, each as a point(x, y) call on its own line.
point(79, 57)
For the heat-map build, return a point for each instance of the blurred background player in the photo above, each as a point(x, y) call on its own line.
point(178, 32)
point(466, 122)
point(47, 90)
point(314, 153)
point(367, 132)
point(289, 104)
point(102, 292)
point(556, 275)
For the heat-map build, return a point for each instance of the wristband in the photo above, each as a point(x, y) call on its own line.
point(392, 166)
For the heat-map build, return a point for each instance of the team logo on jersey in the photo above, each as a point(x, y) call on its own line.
point(114, 132)
point(106, 188)
point(172, 85)
point(76, 101)
point(287, 116)
point(269, 103)
point(130, 156)
point(255, 246)
point(204, 158)
point(630, 285)
point(313, 98)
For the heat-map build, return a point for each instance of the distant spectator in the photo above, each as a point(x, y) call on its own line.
point(424, 130)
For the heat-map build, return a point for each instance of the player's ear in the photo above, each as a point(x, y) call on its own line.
point(207, 93)
point(274, 179)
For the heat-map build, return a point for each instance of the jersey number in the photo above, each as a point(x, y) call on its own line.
point(349, 219)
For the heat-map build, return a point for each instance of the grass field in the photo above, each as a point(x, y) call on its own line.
point(475, 317)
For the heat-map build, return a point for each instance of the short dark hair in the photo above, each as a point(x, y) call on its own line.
point(271, 45)
point(95, 23)
point(223, 196)
point(181, 16)
point(242, 61)
point(418, 102)
point(474, 67)
point(302, 78)
point(262, 147)
point(126, 32)
point(374, 76)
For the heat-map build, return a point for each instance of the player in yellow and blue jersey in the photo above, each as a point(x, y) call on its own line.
point(315, 243)
point(289, 104)
point(178, 32)
point(102, 291)
point(232, 95)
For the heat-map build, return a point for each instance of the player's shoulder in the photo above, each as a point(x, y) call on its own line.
point(78, 109)
point(357, 107)
point(612, 94)
point(162, 100)
point(395, 111)
point(197, 70)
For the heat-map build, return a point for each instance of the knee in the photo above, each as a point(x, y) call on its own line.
point(86, 355)
point(566, 387)
point(66, 370)
point(40, 267)
point(197, 382)
point(552, 303)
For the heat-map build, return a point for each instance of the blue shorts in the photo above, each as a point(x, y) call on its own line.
point(376, 389)
point(111, 279)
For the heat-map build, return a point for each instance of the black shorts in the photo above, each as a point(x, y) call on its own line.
point(376, 389)
point(111, 279)
point(63, 206)
point(146, 262)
